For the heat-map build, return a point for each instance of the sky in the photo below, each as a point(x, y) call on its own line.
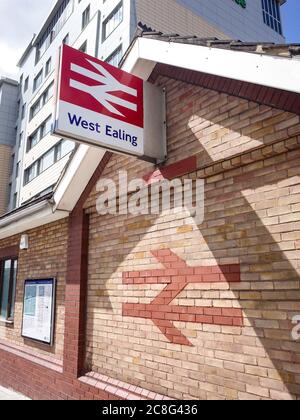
point(20, 19)
point(291, 17)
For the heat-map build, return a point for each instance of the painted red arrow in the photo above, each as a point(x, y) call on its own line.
point(177, 275)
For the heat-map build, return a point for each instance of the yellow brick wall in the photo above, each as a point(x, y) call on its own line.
point(46, 257)
point(170, 17)
point(5, 165)
point(249, 156)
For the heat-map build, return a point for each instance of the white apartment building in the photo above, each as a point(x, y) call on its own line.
point(8, 116)
point(105, 28)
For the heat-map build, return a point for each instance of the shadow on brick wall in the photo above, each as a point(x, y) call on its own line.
point(251, 219)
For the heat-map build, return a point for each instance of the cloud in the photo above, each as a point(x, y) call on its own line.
point(19, 20)
point(8, 63)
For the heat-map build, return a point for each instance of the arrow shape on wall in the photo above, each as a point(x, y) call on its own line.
point(177, 275)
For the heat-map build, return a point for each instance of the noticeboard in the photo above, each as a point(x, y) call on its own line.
point(38, 310)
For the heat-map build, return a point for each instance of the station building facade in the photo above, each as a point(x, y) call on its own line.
point(160, 307)
point(105, 29)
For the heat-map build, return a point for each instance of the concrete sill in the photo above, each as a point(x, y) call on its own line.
point(28, 354)
point(120, 389)
point(6, 321)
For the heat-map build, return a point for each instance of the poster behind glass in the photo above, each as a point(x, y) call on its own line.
point(38, 310)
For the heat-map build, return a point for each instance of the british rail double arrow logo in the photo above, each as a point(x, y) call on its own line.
point(177, 275)
point(103, 92)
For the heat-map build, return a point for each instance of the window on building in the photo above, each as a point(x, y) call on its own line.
point(48, 67)
point(18, 169)
point(39, 133)
point(42, 100)
point(83, 47)
point(66, 40)
point(23, 111)
point(48, 94)
point(33, 139)
point(8, 277)
point(86, 17)
point(9, 190)
point(64, 148)
point(35, 108)
point(26, 84)
point(21, 82)
point(20, 139)
point(15, 200)
point(271, 14)
point(54, 28)
point(31, 173)
point(113, 21)
point(12, 163)
point(47, 160)
point(38, 81)
point(115, 58)
point(46, 127)
point(60, 150)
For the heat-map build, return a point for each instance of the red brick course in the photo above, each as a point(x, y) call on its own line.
point(9, 252)
point(38, 381)
point(176, 170)
point(43, 378)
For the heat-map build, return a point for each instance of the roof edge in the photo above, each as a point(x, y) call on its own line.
point(36, 37)
point(8, 81)
point(26, 52)
point(29, 217)
point(195, 54)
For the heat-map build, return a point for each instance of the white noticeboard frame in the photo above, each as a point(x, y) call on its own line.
point(39, 310)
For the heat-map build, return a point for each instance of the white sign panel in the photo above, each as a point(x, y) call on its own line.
point(104, 106)
point(38, 310)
